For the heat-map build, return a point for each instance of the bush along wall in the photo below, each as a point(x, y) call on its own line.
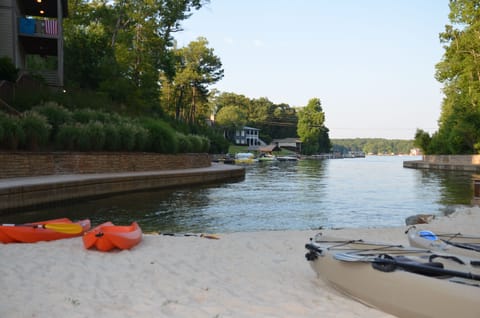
point(53, 127)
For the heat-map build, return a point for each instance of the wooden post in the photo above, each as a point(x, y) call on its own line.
point(476, 190)
point(60, 43)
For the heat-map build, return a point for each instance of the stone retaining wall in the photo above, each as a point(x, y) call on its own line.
point(28, 193)
point(28, 164)
point(446, 162)
point(453, 159)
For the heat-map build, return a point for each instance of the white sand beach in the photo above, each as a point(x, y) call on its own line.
point(261, 274)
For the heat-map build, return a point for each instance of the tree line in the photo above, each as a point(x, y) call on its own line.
point(373, 146)
point(121, 56)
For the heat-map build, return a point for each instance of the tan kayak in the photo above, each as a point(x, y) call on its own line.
point(403, 281)
point(452, 243)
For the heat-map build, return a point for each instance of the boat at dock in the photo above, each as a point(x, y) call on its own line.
point(287, 158)
point(245, 158)
point(267, 158)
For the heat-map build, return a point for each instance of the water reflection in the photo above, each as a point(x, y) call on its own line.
point(373, 191)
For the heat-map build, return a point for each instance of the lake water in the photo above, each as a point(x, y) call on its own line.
point(375, 191)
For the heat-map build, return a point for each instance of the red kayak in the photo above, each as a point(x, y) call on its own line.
point(107, 236)
point(42, 231)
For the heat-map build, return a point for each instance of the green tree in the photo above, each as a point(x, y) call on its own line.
point(274, 121)
point(312, 130)
point(422, 140)
point(187, 92)
point(459, 71)
point(232, 99)
point(231, 118)
point(119, 47)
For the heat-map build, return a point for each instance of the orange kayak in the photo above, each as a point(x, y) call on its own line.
point(42, 231)
point(108, 236)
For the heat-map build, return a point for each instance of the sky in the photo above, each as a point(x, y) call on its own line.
point(370, 62)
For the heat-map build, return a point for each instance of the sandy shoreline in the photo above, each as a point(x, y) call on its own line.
point(260, 274)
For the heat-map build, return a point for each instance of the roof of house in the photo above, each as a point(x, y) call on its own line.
point(269, 148)
point(288, 140)
point(251, 128)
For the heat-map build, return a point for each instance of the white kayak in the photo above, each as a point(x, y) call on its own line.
point(403, 281)
point(451, 243)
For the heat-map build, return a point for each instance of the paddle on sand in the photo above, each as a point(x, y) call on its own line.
point(208, 236)
point(67, 228)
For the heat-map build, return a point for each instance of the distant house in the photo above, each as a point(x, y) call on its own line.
point(293, 144)
point(416, 152)
point(248, 136)
point(33, 27)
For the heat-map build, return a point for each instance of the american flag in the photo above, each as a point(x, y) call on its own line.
point(51, 27)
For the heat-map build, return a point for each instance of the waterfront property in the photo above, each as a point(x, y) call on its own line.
point(30, 27)
point(248, 136)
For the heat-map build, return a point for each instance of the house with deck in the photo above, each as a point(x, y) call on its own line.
point(34, 27)
point(248, 136)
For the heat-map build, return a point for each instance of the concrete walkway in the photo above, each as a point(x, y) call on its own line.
point(18, 193)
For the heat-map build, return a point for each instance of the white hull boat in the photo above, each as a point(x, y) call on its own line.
point(403, 281)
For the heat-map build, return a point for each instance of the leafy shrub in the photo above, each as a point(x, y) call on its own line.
point(205, 144)
point(162, 137)
point(56, 115)
point(184, 143)
point(199, 143)
point(216, 140)
point(13, 134)
point(90, 136)
point(141, 138)
point(127, 136)
point(51, 124)
point(112, 137)
point(83, 139)
point(67, 136)
point(196, 143)
point(95, 135)
point(36, 129)
point(85, 116)
point(115, 119)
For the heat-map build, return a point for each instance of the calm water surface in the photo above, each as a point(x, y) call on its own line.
point(363, 192)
